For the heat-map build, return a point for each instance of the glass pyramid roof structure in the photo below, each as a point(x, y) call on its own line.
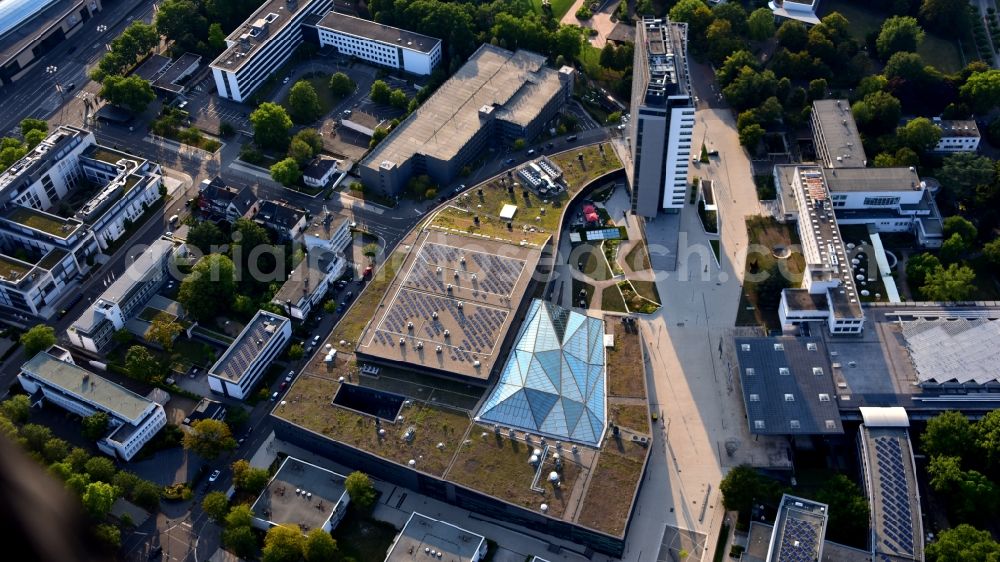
point(554, 380)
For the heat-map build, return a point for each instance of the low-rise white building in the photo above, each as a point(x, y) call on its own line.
point(321, 171)
point(425, 537)
point(380, 44)
point(53, 377)
point(302, 495)
point(803, 11)
point(308, 283)
point(332, 234)
point(957, 136)
point(124, 299)
point(286, 221)
point(239, 369)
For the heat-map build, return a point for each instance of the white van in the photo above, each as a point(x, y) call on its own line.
point(174, 219)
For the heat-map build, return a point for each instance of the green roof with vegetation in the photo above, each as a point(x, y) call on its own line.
point(44, 222)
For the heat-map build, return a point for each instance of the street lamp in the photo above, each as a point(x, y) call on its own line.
point(102, 28)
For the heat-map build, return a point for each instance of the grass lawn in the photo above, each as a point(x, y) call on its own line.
point(634, 301)
point(935, 50)
point(625, 368)
point(630, 416)
point(611, 489)
point(638, 258)
point(611, 254)
point(594, 264)
point(587, 288)
point(559, 7)
point(611, 300)
point(716, 249)
point(362, 538)
point(769, 233)
point(497, 465)
point(647, 289)
point(356, 317)
point(189, 353)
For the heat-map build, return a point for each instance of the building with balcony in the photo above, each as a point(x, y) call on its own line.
point(51, 376)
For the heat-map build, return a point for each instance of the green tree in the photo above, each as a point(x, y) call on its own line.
point(98, 497)
point(163, 330)
point(320, 546)
point(146, 495)
point(216, 38)
point(750, 88)
point(241, 541)
point(899, 33)
point(946, 473)
point(35, 436)
point(948, 434)
point(283, 543)
point(303, 102)
point(793, 35)
point(953, 248)
point(817, 89)
point(295, 352)
point(55, 450)
point(286, 172)
point(961, 226)
point(209, 288)
point(991, 251)
point(963, 543)
point(33, 137)
point(518, 144)
point(77, 483)
point(181, 21)
point(131, 92)
point(239, 516)
point(919, 267)
point(877, 112)
point(100, 469)
point(360, 489)
point(761, 24)
point(954, 283)
point(722, 40)
point(77, 459)
point(271, 125)
point(341, 84)
point(398, 99)
point(945, 15)
point(216, 506)
point(311, 138)
point(380, 92)
point(982, 90)
point(109, 535)
point(16, 408)
point(142, 365)
point(38, 338)
point(204, 236)
point(29, 124)
point(848, 508)
point(733, 64)
point(963, 173)
point(919, 134)
point(751, 135)
point(743, 485)
point(95, 426)
point(696, 14)
point(988, 436)
point(300, 151)
point(733, 13)
point(209, 438)
point(377, 136)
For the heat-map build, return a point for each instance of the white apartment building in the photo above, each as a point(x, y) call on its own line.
point(48, 235)
point(379, 44)
point(662, 118)
point(124, 299)
point(53, 377)
point(262, 44)
point(332, 234)
point(308, 283)
point(239, 369)
point(957, 136)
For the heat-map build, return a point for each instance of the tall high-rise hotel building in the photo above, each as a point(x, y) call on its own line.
point(662, 117)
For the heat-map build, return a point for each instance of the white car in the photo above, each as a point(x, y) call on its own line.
point(290, 375)
point(215, 476)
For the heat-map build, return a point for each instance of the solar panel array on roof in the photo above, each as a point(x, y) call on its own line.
point(895, 497)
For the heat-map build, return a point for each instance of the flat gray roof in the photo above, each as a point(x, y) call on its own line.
point(140, 268)
point(234, 57)
point(799, 531)
point(893, 496)
point(300, 494)
point(254, 338)
point(840, 133)
point(788, 385)
point(841, 180)
point(662, 47)
point(956, 350)
point(422, 532)
point(87, 386)
point(517, 84)
point(958, 128)
point(759, 539)
point(367, 29)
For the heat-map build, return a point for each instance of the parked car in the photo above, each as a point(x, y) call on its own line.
point(274, 397)
point(315, 340)
point(571, 138)
point(215, 476)
point(509, 162)
point(290, 375)
point(284, 385)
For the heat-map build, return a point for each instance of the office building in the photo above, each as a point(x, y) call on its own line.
point(303, 496)
point(957, 136)
point(426, 538)
point(125, 298)
point(803, 11)
point(662, 118)
point(262, 44)
point(61, 205)
point(797, 535)
point(239, 369)
point(308, 283)
point(379, 43)
point(496, 97)
point(30, 29)
point(835, 135)
point(52, 376)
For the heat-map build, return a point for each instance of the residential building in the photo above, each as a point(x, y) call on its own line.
point(379, 43)
point(29, 29)
point(52, 228)
point(308, 283)
point(332, 234)
point(957, 136)
point(239, 369)
point(263, 43)
point(897, 529)
point(302, 495)
point(662, 118)
point(828, 292)
point(285, 220)
point(835, 135)
point(424, 537)
point(125, 298)
point(226, 202)
point(799, 10)
point(496, 97)
point(52, 376)
point(320, 171)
